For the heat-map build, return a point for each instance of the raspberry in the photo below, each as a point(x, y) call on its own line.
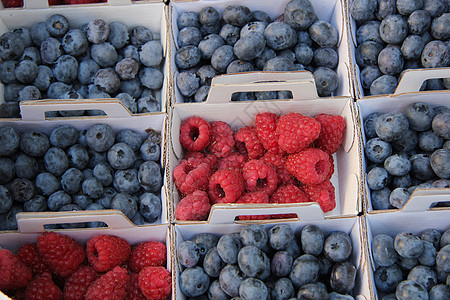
point(133, 290)
point(111, 285)
point(30, 255)
point(191, 174)
point(277, 161)
point(107, 251)
point(310, 166)
point(193, 207)
point(323, 194)
point(259, 177)
point(14, 273)
point(155, 283)
point(148, 254)
point(61, 252)
point(222, 140)
point(254, 197)
point(77, 284)
point(234, 162)
point(12, 3)
point(195, 134)
point(225, 186)
point(210, 159)
point(43, 287)
point(296, 132)
point(331, 132)
point(253, 146)
point(331, 168)
point(288, 194)
point(266, 126)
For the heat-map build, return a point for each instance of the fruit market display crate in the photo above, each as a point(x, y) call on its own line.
point(117, 116)
point(31, 226)
point(415, 217)
point(346, 178)
point(397, 103)
point(150, 14)
point(332, 11)
point(309, 214)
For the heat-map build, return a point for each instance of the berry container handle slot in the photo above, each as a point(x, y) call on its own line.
point(35, 110)
point(412, 80)
point(300, 83)
point(29, 222)
point(422, 199)
point(37, 4)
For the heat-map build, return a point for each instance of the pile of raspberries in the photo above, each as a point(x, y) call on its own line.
point(280, 159)
point(58, 267)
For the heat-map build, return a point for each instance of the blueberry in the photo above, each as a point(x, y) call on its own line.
point(104, 54)
point(118, 34)
point(7, 71)
point(230, 34)
point(125, 203)
point(420, 116)
point(57, 25)
point(279, 36)
point(10, 140)
point(26, 166)
point(6, 200)
point(253, 262)
point(239, 66)
point(337, 246)
point(303, 53)
point(377, 150)
point(64, 136)
point(399, 197)
point(230, 279)
point(393, 29)
point(71, 181)
point(391, 126)
point(212, 262)
point(397, 165)
point(75, 42)
point(187, 19)
point(26, 71)
point(390, 60)
point(97, 31)
point(12, 91)
point(305, 269)
point(201, 94)
point(120, 156)
point(105, 199)
point(440, 291)
point(208, 16)
point(299, 14)
point(435, 54)
point(366, 54)
point(130, 137)
point(429, 141)
point(34, 143)
point(419, 22)
point(387, 278)
point(81, 200)
point(324, 34)
point(140, 35)
point(443, 259)
point(38, 33)
point(423, 275)
point(7, 170)
point(126, 181)
point(131, 51)
point(148, 104)
point(228, 248)
point(441, 125)
point(188, 254)
point(280, 236)
point(440, 163)
point(207, 30)
point(385, 8)
point(435, 8)
point(278, 63)
point(47, 183)
point(132, 87)
point(127, 68)
point(86, 70)
point(326, 81)
point(78, 156)
point(25, 35)
point(151, 54)
point(205, 241)
point(29, 93)
point(151, 78)
point(51, 50)
point(216, 292)
point(369, 31)
point(206, 73)
point(100, 137)
point(254, 235)
point(150, 150)
point(187, 83)
point(33, 54)
point(189, 36)
point(11, 45)
point(281, 264)
point(57, 200)
point(36, 204)
point(406, 7)
point(252, 289)
point(383, 250)
point(421, 167)
point(150, 207)
point(224, 55)
point(377, 178)
point(412, 47)
point(326, 57)
point(362, 10)
point(343, 277)
point(408, 245)
point(8, 220)
point(253, 26)
point(209, 44)
point(312, 240)
point(128, 101)
point(431, 235)
point(248, 47)
point(315, 290)
point(428, 257)
point(193, 282)
point(103, 173)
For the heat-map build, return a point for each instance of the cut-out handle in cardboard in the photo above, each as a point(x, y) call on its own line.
point(422, 199)
point(412, 80)
point(227, 213)
point(300, 83)
point(34, 222)
point(35, 110)
point(33, 4)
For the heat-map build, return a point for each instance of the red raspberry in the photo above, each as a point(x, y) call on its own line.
point(296, 132)
point(107, 251)
point(310, 166)
point(133, 290)
point(193, 207)
point(234, 162)
point(259, 177)
point(77, 284)
point(254, 197)
point(331, 133)
point(111, 285)
point(266, 126)
point(278, 161)
point(322, 193)
point(249, 137)
point(12, 3)
point(210, 159)
point(288, 194)
point(331, 168)
point(191, 174)
point(43, 288)
point(30, 255)
point(14, 273)
point(148, 254)
point(155, 283)
point(195, 134)
point(222, 140)
point(225, 186)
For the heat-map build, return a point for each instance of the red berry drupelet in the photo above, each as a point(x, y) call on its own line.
point(259, 177)
point(30, 255)
point(310, 166)
point(296, 132)
point(155, 283)
point(323, 194)
point(61, 252)
point(107, 251)
point(195, 134)
point(266, 126)
point(133, 290)
point(222, 140)
point(14, 273)
point(111, 285)
point(210, 159)
point(288, 194)
point(331, 133)
point(78, 283)
point(278, 161)
point(148, 254)
point(248, 137)
point(234, 162)
point(43, 288)
point(191, 174)
point(225, 186)
point(193, 207)
point(255, 198)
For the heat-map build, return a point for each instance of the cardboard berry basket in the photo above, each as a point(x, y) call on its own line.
point(151, 14)
point(31, 226)
point(332, 11)
point(117, 116)
point(310, 214)
point(346, 177)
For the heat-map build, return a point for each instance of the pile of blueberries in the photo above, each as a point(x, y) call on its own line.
point(51, 60)
point(241, 40)
point(395, 35)
point(260, 264)
point(71, 170)
point(406, 151)
point(412, 266)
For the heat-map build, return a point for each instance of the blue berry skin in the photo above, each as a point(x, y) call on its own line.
point(223, 56)
point(254, 235)
point(343, 277)
point(431, 235)
point(393, 29)
point(305, 269)
point(105, 199)
point(387, 278)
point(369, 31)
point(408, 245)
point(237, 15)
point(148, 104)
point(128, 101)
point(36, 204)
point(390, 60)
point(337, 246)
point(216, 292)
point(362, 10)
point(75, 42)
point(11, 45)
point(92, 188)
point(391, 126)
point(209, 44)
point(189, 36)
point(399, 197)
point(205, 241)
point(326, 81)
point(385, 84)
point(281, 264)
point(100, 137)
point(103, 173)
point(26, 71)
point(10, 140)
point(95, 158)
point(38, 33)
point(51, 50)
point(57, 25)
point(303, 54)
point(25, 35)
point(312, 239)
point(188, 57)
point(83, 201)
point(8, 220)
point(86, 71)
point(407, 263)
point(7, 71)
point(253, 262)
point(120, 156)
point(228, 248)
point(97, 31)
point(138, 220)
point(150, 207)
point(118, 34)
point(279, 36)
point(212, 262)
point(230, 34)
point(188, 19)
point(57, 89)
point(131, 138)
point(206, 73)
point(421, 167)
point(126, 181)
point(440, 163)
point(7, 170)
point(104, 54)
point(56, 161)
point(419, 22)
point(441, 125)
point(150, 176)
point(406, 7)
point(407, 142)
point(428, 257)
point(377, 150)
point(445, 239)
point(326, 57)
point(366, 54)
point(230, 279)
point(26, 166)
point(440, 291)
point(397, 165)
point(208, 16)
point(423, 275)
point(443, 259)
point(401, 181)
point(377, 178)
point(140, 35)
point(383, 250)
point(299, 14)
point(150, 151)
point(188, 254)
point(315, 290)
point(64, 136)
point(78, 157)
point(127, 68)
point(29, 93)
point(107, 80)
point(412, 47)
point(71, 181)
point(187, 83)
point(193, 282)
point(435, 54)
point(151, 54)
point(33, 54)
point(47, 183)
point(131, 51)
point(125, 203)
point(57, 200)
point(429, 141)
point(151, 78)
point(34, 143)
point(280, 236)
point(6, 200)
point(282, 289)
point(252, 289)
point(324, 34)
point(278, 63)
